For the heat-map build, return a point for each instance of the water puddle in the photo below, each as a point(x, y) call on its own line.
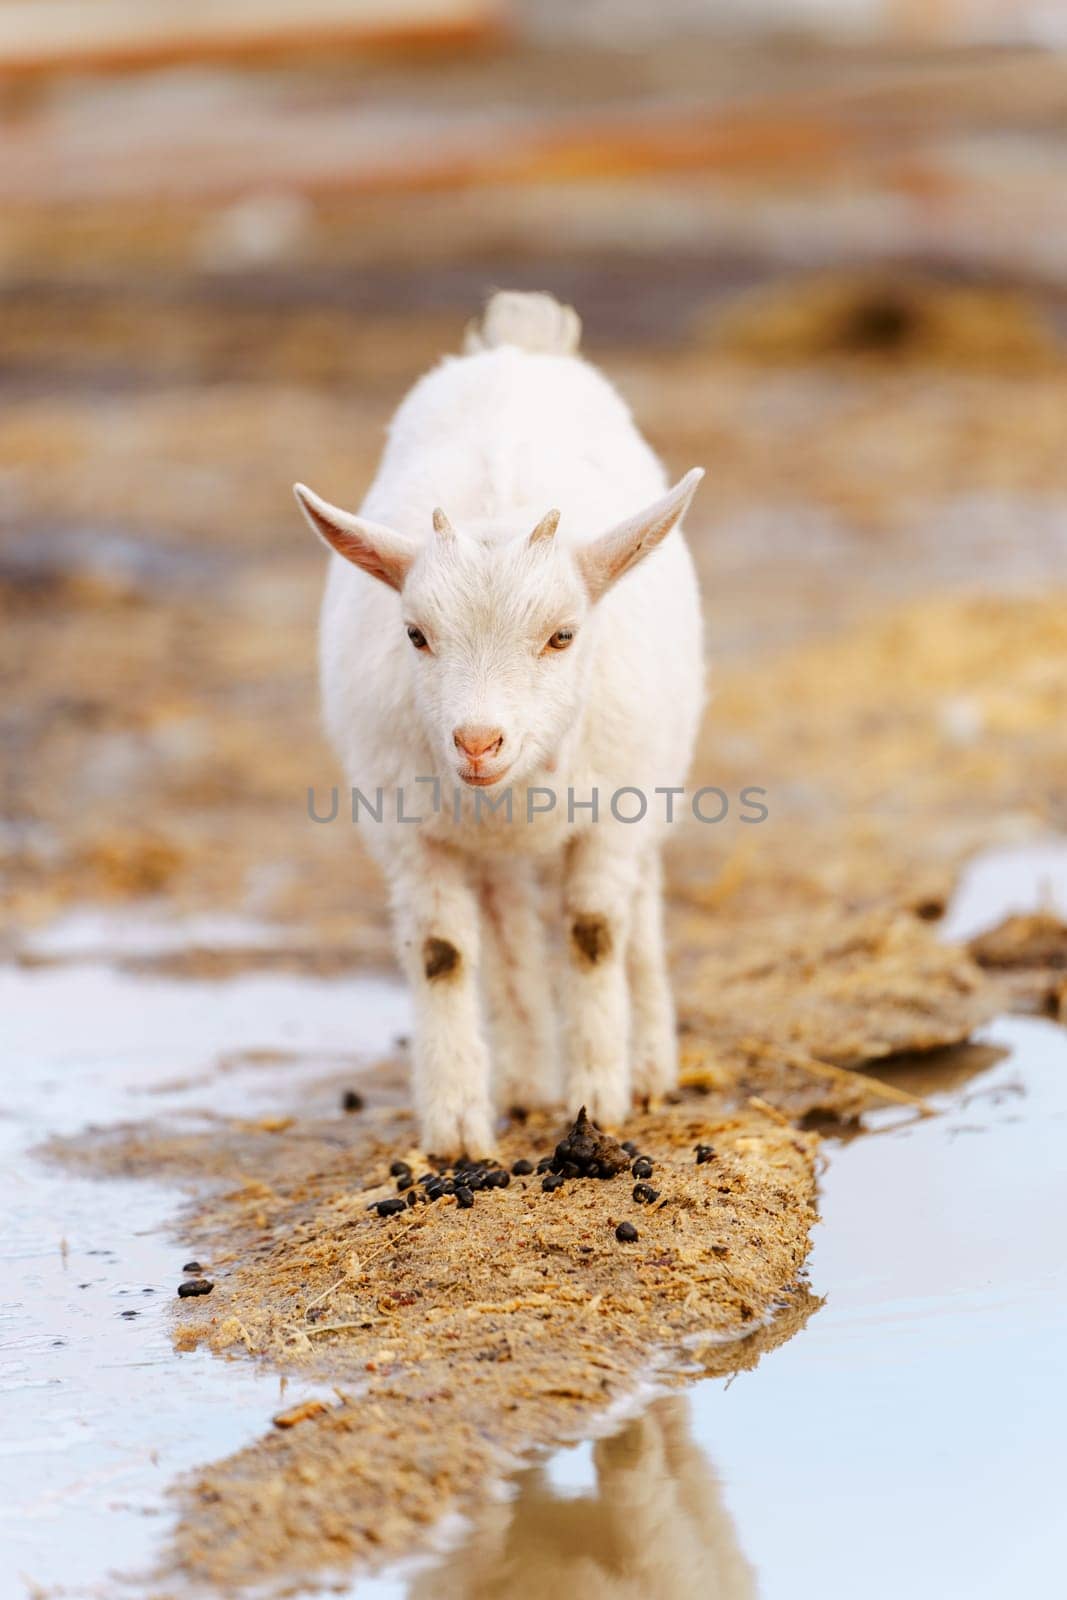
point(1022, 879)
point(100, 1413)
point(89, 934)
point(908, 1439)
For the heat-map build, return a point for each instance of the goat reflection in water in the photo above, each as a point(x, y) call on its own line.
point(654, 1526)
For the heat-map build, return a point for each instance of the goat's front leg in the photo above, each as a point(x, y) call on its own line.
point(598, 890)
point(436, 916)
point(654, 1042)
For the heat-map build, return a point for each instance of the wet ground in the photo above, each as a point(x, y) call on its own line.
point(934, 1360)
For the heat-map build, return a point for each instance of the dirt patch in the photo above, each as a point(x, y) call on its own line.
point(457, 1338)
point(591, 940)
point(889, 318)
point(841, 990)
point(439, 959)
point(1028, 953)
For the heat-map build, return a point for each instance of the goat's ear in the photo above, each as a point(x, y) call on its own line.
point(616, 552)
point(386, 555)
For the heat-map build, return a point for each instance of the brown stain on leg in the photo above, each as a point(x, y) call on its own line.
point(440, 959)
point(591, 939)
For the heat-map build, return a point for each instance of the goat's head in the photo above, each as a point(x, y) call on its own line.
point(499, 632)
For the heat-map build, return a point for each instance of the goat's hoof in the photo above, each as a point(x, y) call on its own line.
point(466, 1133)
point(654, 1078)
point(648, 1103)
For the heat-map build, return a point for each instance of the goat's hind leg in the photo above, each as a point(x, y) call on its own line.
point(517, 977)
point(599, 881)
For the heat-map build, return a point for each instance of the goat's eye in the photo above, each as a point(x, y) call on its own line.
point(561, 639)
point(417, 637)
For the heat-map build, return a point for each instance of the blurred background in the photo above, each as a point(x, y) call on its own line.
point(821, 244)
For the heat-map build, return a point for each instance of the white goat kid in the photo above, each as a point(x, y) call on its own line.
point(468, 649)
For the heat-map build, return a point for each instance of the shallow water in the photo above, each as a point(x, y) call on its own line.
point(918, 1423)
point(1021, 878)
point(99, 1412)
point(909, 1439)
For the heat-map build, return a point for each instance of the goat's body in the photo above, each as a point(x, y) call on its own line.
point(497, 436)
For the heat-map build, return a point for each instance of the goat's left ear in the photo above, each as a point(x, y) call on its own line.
point(616, 552)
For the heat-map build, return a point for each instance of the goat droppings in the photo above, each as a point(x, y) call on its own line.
point(585, 1152)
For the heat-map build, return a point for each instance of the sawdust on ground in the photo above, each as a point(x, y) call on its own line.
point(1028, 953)
point(459, 1339)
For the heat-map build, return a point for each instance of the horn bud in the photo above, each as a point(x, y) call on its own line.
point(546, 528)
point(441, 523)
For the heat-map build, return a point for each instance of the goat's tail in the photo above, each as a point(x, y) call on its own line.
point(531, 321)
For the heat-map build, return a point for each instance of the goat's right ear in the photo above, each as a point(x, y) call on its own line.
point(386, 555)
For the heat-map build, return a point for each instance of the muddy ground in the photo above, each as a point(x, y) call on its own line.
point(880, 541)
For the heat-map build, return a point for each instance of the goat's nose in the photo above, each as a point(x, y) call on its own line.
point(476, 741)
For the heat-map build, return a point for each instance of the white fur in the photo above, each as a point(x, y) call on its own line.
point(497, 438)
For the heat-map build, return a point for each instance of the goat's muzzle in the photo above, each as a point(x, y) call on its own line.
point(476, 742)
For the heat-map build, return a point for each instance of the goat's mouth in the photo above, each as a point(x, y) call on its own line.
point(482, 780)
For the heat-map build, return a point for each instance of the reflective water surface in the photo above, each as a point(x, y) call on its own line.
point(99, 1412)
